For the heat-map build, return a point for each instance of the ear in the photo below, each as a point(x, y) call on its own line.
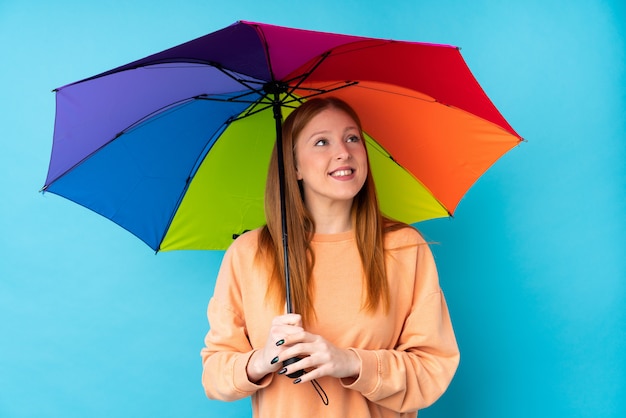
point(295, 165)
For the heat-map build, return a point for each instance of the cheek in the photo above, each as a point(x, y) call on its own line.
point(303, 165)
point(296, 165)
point(363, 158)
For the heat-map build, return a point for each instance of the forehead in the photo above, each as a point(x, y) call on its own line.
point(329, 119)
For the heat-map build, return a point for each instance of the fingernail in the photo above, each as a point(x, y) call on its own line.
point(279, 343)
point(298, 380)
point(274, 360)
point(283, 370)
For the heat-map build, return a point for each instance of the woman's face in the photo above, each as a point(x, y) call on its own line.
point(330, 159)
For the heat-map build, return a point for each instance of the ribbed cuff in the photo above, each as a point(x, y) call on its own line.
point(369, 378)
point(240, 376)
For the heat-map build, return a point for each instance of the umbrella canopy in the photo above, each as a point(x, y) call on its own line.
point(175, 147)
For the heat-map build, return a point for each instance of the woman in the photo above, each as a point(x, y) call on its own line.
point(372, 328)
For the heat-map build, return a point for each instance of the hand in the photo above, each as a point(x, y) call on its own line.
point(319, 357)
point(262, 362)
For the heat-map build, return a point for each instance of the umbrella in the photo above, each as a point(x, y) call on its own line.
point(174, 147)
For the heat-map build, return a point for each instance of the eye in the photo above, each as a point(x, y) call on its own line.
point(353, 138)
point(321, 142)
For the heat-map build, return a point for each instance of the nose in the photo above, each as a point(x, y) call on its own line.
point(342, 151)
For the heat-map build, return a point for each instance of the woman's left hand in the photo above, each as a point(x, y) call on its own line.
point(318, 357)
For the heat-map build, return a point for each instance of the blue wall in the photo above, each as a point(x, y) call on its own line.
point(533, 264)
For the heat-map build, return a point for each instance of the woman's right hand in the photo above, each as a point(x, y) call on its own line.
point(264, 361)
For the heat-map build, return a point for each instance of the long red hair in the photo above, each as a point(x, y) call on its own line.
point(367, 223)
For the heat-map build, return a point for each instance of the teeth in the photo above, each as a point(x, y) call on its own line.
point(340, 173)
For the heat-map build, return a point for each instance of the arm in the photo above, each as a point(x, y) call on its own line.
point(225, 357)
point(418, 371)
point(227, 350)
point(236, 361)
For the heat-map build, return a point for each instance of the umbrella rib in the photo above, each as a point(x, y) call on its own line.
point(149, 117)
point(432, 100)
point(377, 147)
point(196, 166)
point(435, 101)
point(236, 99)
point(253, 110)
point(302, 77)
point(318, 92)
point(257, 109)
point(155, 114)
point(148, 65)
point(306, 75)
point(268, 104)
point(243, 82)
point(380, 43)
point(265, 44)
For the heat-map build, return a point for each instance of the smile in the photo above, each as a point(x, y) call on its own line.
point(342, 173)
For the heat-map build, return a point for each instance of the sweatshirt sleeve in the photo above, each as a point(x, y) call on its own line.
point(227, 347)
point(419, 369)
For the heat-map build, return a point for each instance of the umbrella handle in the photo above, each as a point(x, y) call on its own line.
point(291, 361)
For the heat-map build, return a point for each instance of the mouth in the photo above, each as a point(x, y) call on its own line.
point(342, 172)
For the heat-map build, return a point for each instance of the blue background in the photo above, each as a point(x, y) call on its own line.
point(93, 324)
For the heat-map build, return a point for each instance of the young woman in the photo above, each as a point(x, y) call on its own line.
point(372, 330)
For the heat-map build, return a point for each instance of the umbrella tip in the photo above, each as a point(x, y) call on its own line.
point(235, 236)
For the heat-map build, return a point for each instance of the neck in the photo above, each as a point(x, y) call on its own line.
point(333, 219)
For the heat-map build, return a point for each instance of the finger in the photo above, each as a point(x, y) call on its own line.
point(308, 375)
point(288, 319)
point(305, 377)
point(285, 350)
point(277, 330)
point(293, 367)
point(298, 336)
point(292, 319)
point(305, 360)
point(283, 335)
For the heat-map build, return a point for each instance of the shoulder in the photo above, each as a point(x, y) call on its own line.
point(238, 261)
point(245, 244)
point(399, 235)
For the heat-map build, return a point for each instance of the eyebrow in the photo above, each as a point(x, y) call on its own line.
point(348, 129)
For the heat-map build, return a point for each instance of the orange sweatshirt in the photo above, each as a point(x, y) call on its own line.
point(408, 356)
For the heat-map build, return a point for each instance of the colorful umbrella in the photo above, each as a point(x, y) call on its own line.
point(174, 147)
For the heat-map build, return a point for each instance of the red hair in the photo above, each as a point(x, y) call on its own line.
point(367, 223)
